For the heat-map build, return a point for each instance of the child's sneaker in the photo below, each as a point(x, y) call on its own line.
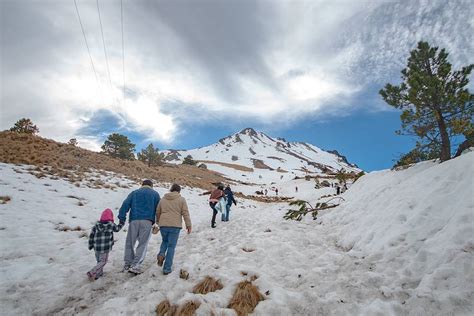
point(91, 277)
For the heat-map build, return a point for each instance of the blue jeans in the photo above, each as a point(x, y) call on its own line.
point(169, 236)
point(225, 215)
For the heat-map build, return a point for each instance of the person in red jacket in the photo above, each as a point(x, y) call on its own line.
point(216, 194)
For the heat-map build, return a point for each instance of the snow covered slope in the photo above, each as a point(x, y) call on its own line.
point(266, 157)
point(416, 230)
point(401, 244)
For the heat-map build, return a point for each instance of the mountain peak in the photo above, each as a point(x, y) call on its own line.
point(248, 131)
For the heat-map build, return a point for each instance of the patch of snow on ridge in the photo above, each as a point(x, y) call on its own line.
point(416, 227)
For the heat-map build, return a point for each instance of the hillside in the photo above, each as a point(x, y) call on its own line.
point(59, 160)
point(258, 158)
point(400, 244)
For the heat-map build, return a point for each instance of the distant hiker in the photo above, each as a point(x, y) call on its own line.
point(266, 191)
point(216, 195)
point(230, 199)
point(338, 190)
point(296, 189)
point(276, 191)
point(170, 213)
point(101, 239)
point(142, 205)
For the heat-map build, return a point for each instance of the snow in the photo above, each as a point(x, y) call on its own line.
point(401, 244)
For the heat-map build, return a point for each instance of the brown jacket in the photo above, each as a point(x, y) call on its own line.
point(171, 209)
point(216, 194)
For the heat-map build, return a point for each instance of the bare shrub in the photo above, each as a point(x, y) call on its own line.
point(4, 199)
point(245, 299)
point(248, 249)
point(165, 308)
point(183, 274)
point(209, 284)
point(188, 308)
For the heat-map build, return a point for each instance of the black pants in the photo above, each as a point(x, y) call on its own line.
point(214, 211)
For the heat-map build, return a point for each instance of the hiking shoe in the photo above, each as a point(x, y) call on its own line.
point(136, 270)
point(166, 272)
point(159, 260)
point(91, 277)
point(126, 268)
point(213, 225)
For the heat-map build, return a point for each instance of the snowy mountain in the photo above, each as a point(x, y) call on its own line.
point(257, 156)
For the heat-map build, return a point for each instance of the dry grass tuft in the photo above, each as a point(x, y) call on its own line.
point(165, 308)
point(183, 274)
point(4, 199)
point(248, 249)
point(245, 298)
point(209, 284)
point(188, 308)
point(66, 228)
point(253, 278)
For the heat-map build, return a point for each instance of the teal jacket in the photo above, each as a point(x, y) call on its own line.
point(141, 203)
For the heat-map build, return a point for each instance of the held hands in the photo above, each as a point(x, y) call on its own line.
point(189, 229)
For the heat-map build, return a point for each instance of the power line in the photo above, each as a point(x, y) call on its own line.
point(123, 54)
point(88, 50)
point(105, 50)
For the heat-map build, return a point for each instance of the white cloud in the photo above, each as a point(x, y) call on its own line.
point(307, 58)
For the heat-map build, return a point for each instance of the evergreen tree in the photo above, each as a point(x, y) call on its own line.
point(435, 102)
point(119, 146)
point(72, 142)
point(26, 126)
point(188, 160)
point(342, 176)
point(150, 155)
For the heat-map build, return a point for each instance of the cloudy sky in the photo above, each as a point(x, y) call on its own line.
point(194, 71)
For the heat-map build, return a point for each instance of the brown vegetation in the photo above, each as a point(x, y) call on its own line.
point(228, 165)
point(4, 199)
point(209, 284)
point(188, 308)
point(245, 298)
point(61, 160)
point(183, 274)
point(259, 164)
point(165, 308)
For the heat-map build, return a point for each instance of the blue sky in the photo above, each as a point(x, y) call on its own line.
point(190, 73)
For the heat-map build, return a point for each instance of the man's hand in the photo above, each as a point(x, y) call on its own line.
point(189, 230)
point(122, 222)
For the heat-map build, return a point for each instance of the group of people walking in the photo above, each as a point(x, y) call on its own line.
point(149, 213)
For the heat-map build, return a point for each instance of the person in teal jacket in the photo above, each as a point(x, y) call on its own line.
point(141, 204)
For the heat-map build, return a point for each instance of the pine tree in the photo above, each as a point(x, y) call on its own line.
point(188, 160)
point(72, 142)
point(26, 126)
point(119, 146)
point(435, 102)
point(150, 155)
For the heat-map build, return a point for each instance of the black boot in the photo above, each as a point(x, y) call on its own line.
point(213, 225)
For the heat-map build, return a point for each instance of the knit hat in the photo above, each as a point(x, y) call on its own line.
point(107, 215)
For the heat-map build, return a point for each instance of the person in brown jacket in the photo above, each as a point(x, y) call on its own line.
point(216, 194)
point(170, 213)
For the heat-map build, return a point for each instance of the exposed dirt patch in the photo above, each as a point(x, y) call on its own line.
point(228, 165)
point(259, 164)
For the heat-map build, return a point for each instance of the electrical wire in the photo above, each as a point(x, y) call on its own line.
point(88, 49)
point(123, 54)
point(105, 50)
